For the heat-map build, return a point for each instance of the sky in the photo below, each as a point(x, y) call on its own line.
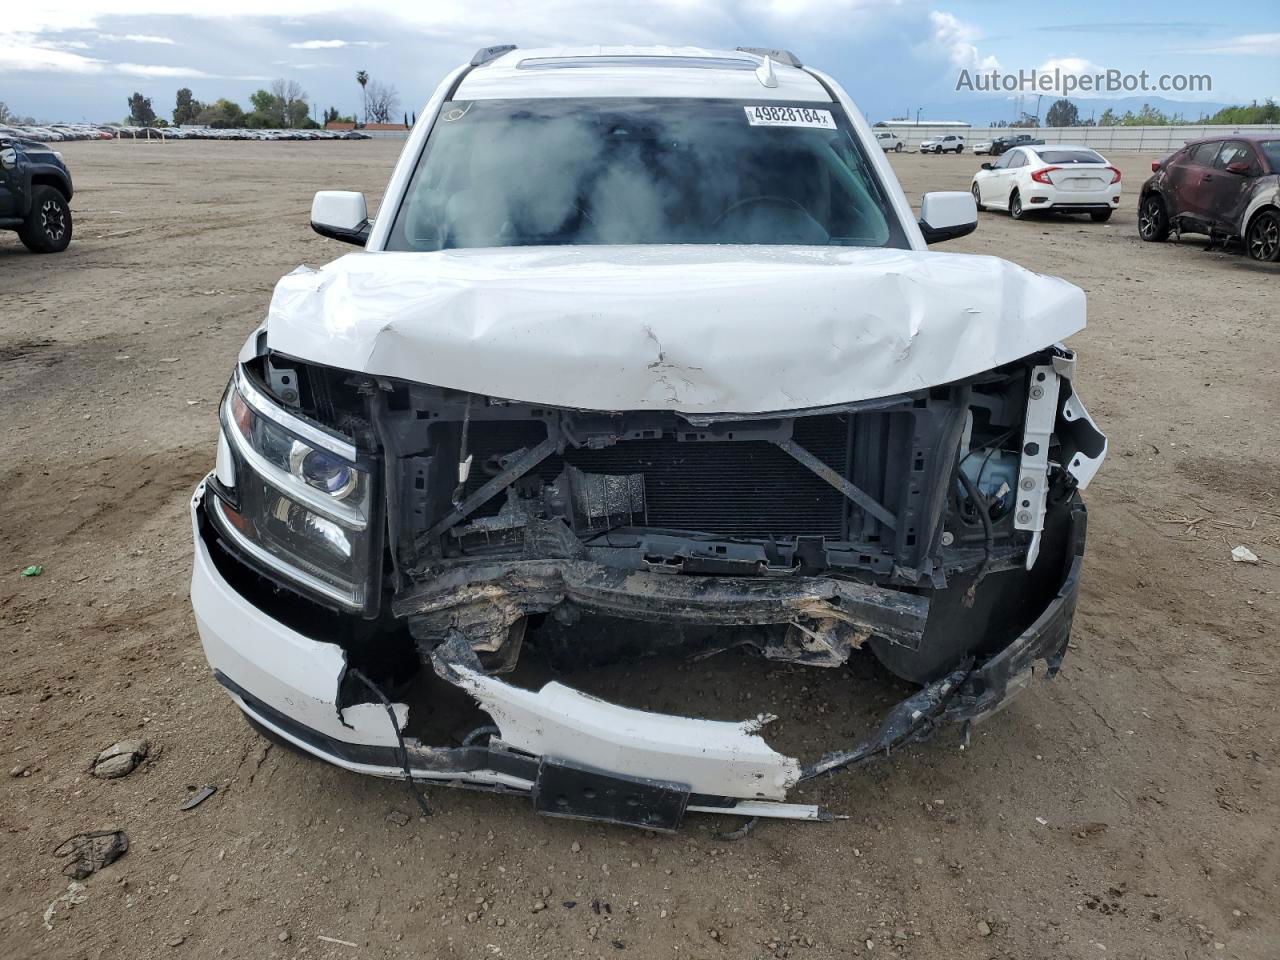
point(74, 60)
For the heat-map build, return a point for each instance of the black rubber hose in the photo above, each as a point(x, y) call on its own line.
point(404, 751)
point(988, 531)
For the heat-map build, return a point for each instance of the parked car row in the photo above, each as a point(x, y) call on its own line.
point(1226, 188)
point(56, 132)
point(235, 133)
point(63, 132)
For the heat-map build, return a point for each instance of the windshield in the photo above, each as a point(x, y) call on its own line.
point(504, 173)
point(1070, 156)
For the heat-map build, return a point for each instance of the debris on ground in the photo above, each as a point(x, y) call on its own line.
point(75, 894)
point(32, 571)
point(398, 817)
point(87, 853)
point(120, 759)
point(1243, 554)
point(199, 797)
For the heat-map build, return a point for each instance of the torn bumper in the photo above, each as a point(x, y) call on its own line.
point(572, 754)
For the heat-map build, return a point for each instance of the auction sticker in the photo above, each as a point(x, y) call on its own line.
point(778, 116)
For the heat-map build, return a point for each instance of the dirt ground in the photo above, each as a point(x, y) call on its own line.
point(1127, 809)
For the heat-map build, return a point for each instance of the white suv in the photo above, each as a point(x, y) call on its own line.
point(951, 143)
point(644, 354)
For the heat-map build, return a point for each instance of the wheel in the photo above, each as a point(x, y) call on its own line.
point(898, 148)
point(1263, 237)
point(1100, 216)
point(959, 149)
point(1153, 219)
point(1015, 207)
point(48, 229)
point(977, 197)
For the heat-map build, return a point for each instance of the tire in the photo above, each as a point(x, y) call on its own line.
point(1015, 207)
point(48, 228)
point(1262, 239)
point(977, 197)
point(1153, 219)
point(898, 148)
point(1100, 216)
point(959, 149)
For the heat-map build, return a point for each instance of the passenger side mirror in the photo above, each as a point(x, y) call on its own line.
point(1241, 167)
point(341, 215)
point(946, 215)
point(8, 158)
point(987, 166)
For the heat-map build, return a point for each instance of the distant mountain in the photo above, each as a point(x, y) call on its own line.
point(983, 111)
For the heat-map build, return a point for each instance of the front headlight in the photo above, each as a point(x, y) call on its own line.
point(299, 500)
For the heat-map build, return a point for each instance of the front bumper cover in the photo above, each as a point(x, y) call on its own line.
point(572, 754)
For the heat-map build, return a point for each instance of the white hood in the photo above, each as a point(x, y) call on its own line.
point(698, 329)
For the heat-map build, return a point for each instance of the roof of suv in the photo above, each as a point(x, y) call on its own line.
point(637, 72)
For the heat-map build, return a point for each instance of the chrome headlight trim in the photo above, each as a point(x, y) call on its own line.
point(288, 483)
point(308, 431)
point(286, 570)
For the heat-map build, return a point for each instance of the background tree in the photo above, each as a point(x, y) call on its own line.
point(1267, 112)
point(381, 102)
point(362, 78)
point(140, 112)
point(1062, 113)
point(292, 100)
point(6, 115)
point(268, 109)
point(222, 115)
point(186, 107)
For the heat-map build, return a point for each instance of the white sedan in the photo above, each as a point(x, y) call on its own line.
point(982, 147)
point(1058, 177)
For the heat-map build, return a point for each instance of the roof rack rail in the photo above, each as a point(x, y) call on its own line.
point(779, 56)
point(485, 54)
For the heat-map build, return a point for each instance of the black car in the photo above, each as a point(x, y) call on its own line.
point(1225, 187)
point(35, 195)
point(1000, 144)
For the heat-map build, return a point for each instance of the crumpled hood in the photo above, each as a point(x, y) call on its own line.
point(697, 329)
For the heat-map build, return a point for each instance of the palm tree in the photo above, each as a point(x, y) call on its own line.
point(362, 78)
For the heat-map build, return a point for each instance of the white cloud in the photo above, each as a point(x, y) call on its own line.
point(1249, 44)
point(133, 38)
point(25, 53)
point(335, 44)
point(956, 38)
point(150, 70)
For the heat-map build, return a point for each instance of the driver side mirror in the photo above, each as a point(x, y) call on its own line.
point(946, 215)
point(1242, 167)
point(987, 166)
point(341, 215)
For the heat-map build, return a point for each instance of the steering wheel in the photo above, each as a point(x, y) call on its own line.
point(762, 198)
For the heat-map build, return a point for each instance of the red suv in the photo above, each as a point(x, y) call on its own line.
point(1225, 187)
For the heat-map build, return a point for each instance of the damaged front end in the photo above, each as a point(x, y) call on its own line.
point(430, 538)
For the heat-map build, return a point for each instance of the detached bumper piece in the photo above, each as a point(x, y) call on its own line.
point(574, 755)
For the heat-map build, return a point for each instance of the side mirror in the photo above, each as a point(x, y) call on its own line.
point(946, 215)
point(341, 215)
point(8, 158)
point(1241, 167)
point(987, 166)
